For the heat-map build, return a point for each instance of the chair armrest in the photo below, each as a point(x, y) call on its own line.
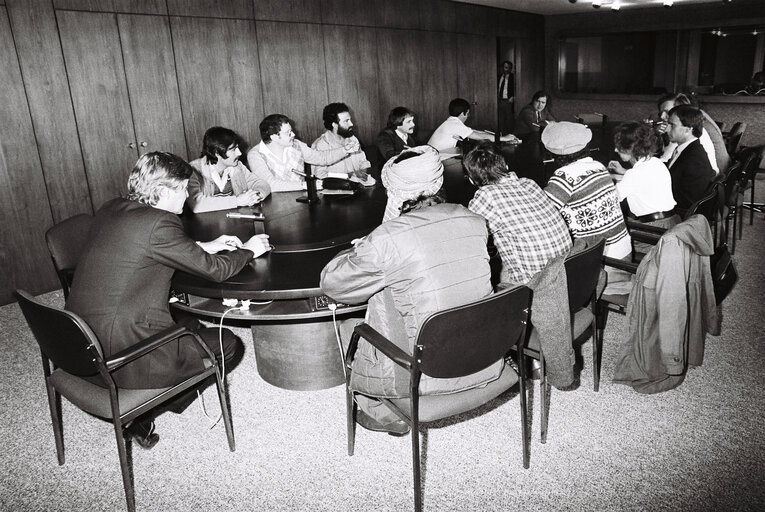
point(627, 266)
point(633, 224)
point(648, 238)
point(384, 345)
point(145, 346)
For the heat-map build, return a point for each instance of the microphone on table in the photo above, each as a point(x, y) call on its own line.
point(312, 196)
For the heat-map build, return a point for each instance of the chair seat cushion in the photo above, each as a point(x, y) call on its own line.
point(94, 399)
point(436, 407)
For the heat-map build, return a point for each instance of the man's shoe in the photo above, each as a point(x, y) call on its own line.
point(142, 433)
point(395, 428)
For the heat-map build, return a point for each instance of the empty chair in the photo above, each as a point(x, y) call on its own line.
point(451, 343)
point(66, 241)
point(733, 138)
point(70, 346)
point(751, 158)
point(733, 200)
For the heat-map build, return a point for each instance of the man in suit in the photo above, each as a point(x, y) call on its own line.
point(689, 165)
point(506, 98)
point(711, 138)
point(398, 135)
point(123, 279)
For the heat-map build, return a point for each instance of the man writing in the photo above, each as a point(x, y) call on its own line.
point(453, 129)
point(339, 125)
point(123, 278)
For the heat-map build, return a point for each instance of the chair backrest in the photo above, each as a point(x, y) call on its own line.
point(66, 241)
point(465, 339)
point(582, 273)
point(64, 337)
point(734, 137)
point(750, 159)
point(711, 203)
point(733, 182)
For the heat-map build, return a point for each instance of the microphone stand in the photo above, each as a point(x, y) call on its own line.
point(312, 196)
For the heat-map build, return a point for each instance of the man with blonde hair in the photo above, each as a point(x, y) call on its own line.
point(123, 279)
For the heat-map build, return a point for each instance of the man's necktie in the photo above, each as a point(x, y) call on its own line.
point(674, 156)
point(502, 88)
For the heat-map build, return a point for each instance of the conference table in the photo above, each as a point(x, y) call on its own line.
point(292, 325)
point(291, 321)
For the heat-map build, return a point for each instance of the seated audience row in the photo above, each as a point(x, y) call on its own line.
point(276, 164)
point(402, 277)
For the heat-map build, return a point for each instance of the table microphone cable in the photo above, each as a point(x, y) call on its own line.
point(222, 371)
point(333, 307)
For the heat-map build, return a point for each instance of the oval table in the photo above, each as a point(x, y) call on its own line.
point(292, 325)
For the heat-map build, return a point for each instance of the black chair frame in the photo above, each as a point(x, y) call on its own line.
point(582, 274)
point(445, 348)
point(66, 241)
point(81, 355)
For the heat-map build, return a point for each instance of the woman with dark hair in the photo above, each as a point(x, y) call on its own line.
point(647, 184)
point(534, 117)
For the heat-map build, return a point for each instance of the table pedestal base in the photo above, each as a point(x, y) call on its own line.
point(299, 356)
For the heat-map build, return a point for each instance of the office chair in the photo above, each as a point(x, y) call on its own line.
point(751, 158)
point(66, 241)
point(68, 343)
point(733, 201)
point(452, 343)
point(733, 137)
point(582, 274)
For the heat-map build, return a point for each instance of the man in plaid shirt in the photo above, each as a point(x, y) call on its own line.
point(528, 230)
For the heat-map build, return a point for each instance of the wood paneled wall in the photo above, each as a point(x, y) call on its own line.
point(89, 85)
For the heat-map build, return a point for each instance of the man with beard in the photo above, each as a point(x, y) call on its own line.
point(337, 121)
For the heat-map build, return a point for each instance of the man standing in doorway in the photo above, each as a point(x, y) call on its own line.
point(506, 97)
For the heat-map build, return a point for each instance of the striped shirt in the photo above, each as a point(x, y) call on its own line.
point(528, 231)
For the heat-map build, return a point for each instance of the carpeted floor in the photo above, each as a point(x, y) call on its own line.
point(700, 447)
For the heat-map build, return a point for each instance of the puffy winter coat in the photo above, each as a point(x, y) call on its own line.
point(409, 267)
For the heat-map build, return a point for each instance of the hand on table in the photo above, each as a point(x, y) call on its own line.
point(222, 243)
point(258, 244)
point(249, 198)
point(510, 138)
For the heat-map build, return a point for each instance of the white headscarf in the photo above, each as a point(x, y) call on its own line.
point(411, 178)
